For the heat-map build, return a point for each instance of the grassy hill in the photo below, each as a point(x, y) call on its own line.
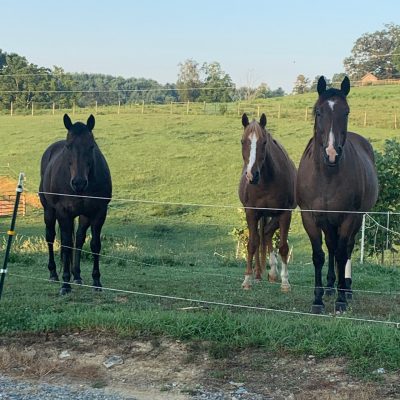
point(183, 249)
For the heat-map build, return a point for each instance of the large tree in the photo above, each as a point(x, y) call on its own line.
point(217, 85)
point(376, 53)
point(302, 85)
point(189, 83)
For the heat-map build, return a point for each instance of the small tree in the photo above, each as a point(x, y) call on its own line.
point(378, 239)
point(302, 85)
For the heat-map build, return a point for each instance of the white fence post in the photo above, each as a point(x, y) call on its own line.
point(362, 240)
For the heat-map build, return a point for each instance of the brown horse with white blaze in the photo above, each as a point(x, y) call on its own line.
point(267, 191)
point(337, 180)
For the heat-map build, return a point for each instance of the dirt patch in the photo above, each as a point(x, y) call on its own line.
point(167, 369)
point(8, 186)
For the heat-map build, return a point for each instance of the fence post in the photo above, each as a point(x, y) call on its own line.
point(362, 240)
point(170, 110)
point(32, 107)
point(238, 108)
point(279, 111)
point(306, 116)
point(96, 107)
point(258, 111)
point(187, 108)
point(11, 232)
point(54, 107)
point(142, 106)
point(365, 118)
point(11, 108)
point(119, 105)
point(204, 108)
point(387, 230)
point(395, 121)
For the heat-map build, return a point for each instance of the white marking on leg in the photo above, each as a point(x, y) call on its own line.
point(252, 158)
point(331, 104)
point(273, 262)
point(347, 272)
point(247, 282)
point(285, 286)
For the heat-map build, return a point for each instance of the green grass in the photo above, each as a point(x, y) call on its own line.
point(186, 251)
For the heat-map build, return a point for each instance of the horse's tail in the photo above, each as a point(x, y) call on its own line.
point(263, 244)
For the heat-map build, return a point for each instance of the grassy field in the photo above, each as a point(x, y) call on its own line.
point(186, 251)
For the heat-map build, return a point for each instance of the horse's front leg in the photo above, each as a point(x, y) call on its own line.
point(341, 260)
point(95, 246)
point(83, 226)
point(284, 223)
point(66, 228)
point(331, 243)
point(252, 248)
point(318, 257)
point(50, 221)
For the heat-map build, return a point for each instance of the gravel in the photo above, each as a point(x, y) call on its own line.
point(11, 389)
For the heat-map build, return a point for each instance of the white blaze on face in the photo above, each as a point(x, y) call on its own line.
point(252, 158)
point(331, 104)
point(330, 150)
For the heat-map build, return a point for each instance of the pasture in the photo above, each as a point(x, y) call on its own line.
point(161, 247)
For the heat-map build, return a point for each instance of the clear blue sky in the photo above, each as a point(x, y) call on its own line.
point(254, 41)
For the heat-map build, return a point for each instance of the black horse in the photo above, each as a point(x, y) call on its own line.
point(337, 179)
point(75, 182)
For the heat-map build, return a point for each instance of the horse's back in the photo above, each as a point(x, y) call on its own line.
point(49, 154)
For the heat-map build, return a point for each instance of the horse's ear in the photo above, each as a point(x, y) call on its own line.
point(67, 122)
point(90, 122)
point(345, 86)
point(263, 120)
point(321, 86)
point(245, 120)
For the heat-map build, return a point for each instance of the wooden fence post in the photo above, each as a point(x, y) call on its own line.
point(187, 108)
point(258, 111)
point(279, 111)
point(365, 118)
point(170, 110)
point(142, 106)
point(119, 106)
point(96, 107)
point(306, 116)
point(238, 111)
point(11, 108)
point(32, 107)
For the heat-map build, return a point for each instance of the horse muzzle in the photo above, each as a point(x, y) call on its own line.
point(332, 155)
point(79, 184)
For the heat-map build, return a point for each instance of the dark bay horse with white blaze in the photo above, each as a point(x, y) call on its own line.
point(268, 181)
point(337, 179)
point(73, 173)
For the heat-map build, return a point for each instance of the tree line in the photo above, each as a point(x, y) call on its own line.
point(22, 82)
point(377, 53)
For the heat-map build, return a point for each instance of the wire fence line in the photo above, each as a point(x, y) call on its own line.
point(159, 202)
point(225, 304)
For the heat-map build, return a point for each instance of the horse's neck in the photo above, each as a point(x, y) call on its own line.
point(270, 163)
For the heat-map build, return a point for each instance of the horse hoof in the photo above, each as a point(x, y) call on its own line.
point(64, 291)
point(317, 309)
point(330, 291)
point(246, 287)
point(272, 279)
point(285, 288)
point(340, 307)
point(349, 295)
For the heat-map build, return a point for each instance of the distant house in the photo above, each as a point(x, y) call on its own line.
point(368, 79)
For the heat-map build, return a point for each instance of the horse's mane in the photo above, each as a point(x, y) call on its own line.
point(327, 94)
point(79, 128)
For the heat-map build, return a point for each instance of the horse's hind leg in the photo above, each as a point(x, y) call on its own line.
point(270, 229)
point(83, 226)
point(284, 223)
point(95, 246)
point(331, 244)
point(50, 221)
